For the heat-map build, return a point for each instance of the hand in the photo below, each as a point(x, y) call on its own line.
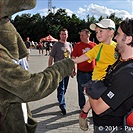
point(74, 61)
point(73, 73)
point(85, 91)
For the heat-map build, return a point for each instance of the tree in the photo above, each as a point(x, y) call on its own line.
point(22, 24)
point(37, 26)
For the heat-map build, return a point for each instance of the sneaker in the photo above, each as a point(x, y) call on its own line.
point(83, 123)
point(63, 111)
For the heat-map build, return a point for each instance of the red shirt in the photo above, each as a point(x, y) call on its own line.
point(81, 48)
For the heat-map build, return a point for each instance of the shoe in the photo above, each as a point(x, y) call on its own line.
point(63, 111)
point(83, 123)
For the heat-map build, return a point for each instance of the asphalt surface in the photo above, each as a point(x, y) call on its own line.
point(46, 111)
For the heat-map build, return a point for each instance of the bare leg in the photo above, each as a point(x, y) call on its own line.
point(42, 51)
point(87, 106)
point(83, 123)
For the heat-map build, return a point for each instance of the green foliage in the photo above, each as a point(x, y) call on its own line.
point(37, 26)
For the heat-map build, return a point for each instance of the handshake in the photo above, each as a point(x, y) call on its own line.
point(95, 88)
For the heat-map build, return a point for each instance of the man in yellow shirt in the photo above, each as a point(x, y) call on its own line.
point(105, 55)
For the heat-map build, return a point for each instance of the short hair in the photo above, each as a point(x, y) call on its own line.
point(127, 28)
point(86, 30)
point(63, 29)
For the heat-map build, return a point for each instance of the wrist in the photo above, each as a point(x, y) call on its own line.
point(74, 60)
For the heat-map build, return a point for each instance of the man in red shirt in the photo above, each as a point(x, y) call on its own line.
point(84, 69)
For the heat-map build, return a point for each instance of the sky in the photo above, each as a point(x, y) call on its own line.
point(121, 8)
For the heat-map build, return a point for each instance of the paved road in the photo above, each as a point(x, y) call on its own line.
point(47, 112)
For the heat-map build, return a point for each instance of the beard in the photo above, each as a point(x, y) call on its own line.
point(119, 46)
point(117, 49)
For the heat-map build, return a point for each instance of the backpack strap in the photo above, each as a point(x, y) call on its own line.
point(99, 53)
point(111, 72)
point(130, 65)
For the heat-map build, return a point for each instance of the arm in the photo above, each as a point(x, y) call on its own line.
point(50, 61)
point(81, 58)
point(21, 86)
point(99, 106)
point(75, 69)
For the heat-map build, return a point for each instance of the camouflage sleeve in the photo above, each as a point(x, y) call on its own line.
point(21, 86)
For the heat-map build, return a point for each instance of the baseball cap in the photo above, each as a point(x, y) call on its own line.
point(104, 24)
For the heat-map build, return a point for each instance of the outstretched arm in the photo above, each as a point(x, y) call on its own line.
point(81, 58)
point(21, 86)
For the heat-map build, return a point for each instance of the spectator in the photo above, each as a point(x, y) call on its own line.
point(40, 48)
point(84, 69)
point(60, 50)
point(23, 63)
point(28, 46)
point(47, 48)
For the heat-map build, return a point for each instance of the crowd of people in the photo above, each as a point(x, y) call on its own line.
point(104, 73)
point(41, 46)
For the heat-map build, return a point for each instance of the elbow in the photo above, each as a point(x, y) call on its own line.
point(99, 109)
point(99, 106)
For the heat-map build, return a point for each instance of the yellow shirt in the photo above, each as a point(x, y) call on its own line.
point(107, 57)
